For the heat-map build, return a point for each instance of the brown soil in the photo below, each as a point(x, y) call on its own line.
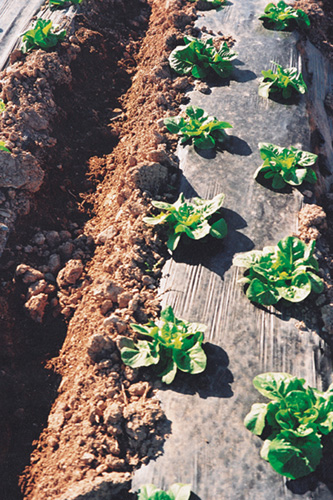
point(321, 17)
point(85, 127)
point(68, 112)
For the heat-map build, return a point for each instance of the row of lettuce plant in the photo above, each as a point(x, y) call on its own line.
point(298, 420)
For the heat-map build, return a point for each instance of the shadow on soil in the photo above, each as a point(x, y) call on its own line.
point(27, 391)
point(215, 381)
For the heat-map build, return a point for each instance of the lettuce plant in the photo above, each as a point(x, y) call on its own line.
point(205, 130)
point(283, 16)
point(41, 36)
point(3, 147)
point(214, 4)
point(62, 3)
point(287, 271)
point(190, 218)
point(199, 57)
point(177, 491)
point(286, 166)
point(174, 344)
point(285, 81)
point(2, 106)
point(294, 422)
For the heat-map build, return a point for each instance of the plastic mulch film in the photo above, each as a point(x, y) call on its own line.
point(209, 446)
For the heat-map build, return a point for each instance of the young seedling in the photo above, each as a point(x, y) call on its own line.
point(63, 3)
point(287, 271)
point(283, 16)
point(41, 36)
point(177, 491)
point(190, 218)
point(285, 81)
point(286, 166)
point(204, 130)
point(199, 57)
point(294, 421)
point(175, 344)
point(2, 106)
point(3, 147)
point(211, 4)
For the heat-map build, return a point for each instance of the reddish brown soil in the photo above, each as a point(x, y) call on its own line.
point(100, 154)
point(104, 422)
point(321, 18)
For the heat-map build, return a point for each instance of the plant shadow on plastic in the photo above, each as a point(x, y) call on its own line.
point(237, 75)
point(233, 145)
point(215, 381)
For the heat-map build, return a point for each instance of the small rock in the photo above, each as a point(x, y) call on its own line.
point(132, 161)
point(54, 263)
point(28, 274)
point(124, 299)
point(158, 156)
point(108, 234)
point(180, 83)
point(52, 441)
point(147, 280)
point(133, 304)
point(100, 344)
point(150, 176)
point(116, 322)
point(28, 249)
point(56, 419)
point(308, 193)
point(101, 468)
point(202, 87)
point(65, 235)
point(159, 138)
point(35, 307)
point(88, 458)
point(113, 413)
point(108, 290)
point(66, 249)
point(115, 463)
point(39, 239)
point(52, 238)
point(139, 389)
point(106, 306)
point(70, 274)
point(36, 288)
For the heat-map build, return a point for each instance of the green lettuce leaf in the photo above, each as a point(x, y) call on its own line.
point(295, 457)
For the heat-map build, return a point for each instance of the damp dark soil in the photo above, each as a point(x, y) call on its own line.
point(84, 124)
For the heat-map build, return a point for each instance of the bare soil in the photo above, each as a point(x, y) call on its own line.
point(90, 151)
